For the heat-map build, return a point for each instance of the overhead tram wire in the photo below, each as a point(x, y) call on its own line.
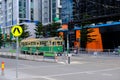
point(104, 5)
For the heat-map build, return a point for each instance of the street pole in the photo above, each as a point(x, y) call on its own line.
point(17, 57)
point(17, 31)
point(67, 41)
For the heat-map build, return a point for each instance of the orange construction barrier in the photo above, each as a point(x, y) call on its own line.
point(3, 65)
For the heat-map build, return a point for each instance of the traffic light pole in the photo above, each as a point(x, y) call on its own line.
point(68, 41)
point(17, 47)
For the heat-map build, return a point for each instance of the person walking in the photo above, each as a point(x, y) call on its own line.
point(76, 50)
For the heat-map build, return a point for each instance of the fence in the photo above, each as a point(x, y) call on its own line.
point(9, 53)
point(100, 52)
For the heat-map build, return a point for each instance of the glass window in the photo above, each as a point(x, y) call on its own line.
point(31, 0)
point(58, 43)
point(10, 4)
point(25, 43)
point(33, 43)
point(43, 43)
point(10, 16)
point(20, 15)
point(28, 43)
point(54, 43)
point(20, 3)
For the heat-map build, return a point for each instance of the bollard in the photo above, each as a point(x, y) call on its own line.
point(69, 60)
point(56, 57)
point(2, 68)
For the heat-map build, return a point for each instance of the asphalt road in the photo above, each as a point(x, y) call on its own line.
point(81, 68)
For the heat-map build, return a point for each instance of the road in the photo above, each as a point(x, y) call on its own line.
point(81, 68)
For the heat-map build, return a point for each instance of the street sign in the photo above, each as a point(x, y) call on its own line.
point(16, 30)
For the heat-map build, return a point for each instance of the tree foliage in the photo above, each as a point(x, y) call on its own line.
point(85, 33)
point(39, 30)
point(51, 29)
point(25, 33)
point(1, 38)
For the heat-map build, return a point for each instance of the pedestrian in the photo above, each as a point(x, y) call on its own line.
point(76, 50)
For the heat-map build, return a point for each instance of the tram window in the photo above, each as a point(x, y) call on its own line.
point(37, 43)
point(22, 44)
point(54, 43)
point(58, 43)
point(49, 42)
point(40, 43)
point(28, 43)
point(25, 43)
point(43, 43)
point(33, 43)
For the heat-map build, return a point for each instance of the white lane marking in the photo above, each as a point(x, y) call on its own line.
point(89, 73)
point(77, 62)
point(110, 69)
point(106, 74)
point(62, 62)
point(48, 78)
point(34, 77)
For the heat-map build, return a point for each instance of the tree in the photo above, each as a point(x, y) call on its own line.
point(39, 30)
point(25, 33)
point(86, 37)
point(54, 27)
point(1, 38)
point(51, 29)
point(85, 30)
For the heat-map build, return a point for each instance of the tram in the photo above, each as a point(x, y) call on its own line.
point(42, 45)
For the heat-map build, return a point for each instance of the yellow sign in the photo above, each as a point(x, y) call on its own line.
point(16, 30)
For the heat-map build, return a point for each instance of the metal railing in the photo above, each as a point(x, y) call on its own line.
point(9, 53)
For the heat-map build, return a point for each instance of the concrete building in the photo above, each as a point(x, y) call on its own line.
point(101, 13)
point(14, 12)
point(67, 11)
point(19, 12)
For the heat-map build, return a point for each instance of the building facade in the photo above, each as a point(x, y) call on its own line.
point(19, 12)
point(95, 9)
point(15, 12)
point(100, 12)
point(67, 11)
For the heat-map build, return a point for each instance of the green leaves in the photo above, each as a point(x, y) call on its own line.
point(39, 29)
point(25, 33)
point(51, 29)
point(1, 38)
point(85, 32)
